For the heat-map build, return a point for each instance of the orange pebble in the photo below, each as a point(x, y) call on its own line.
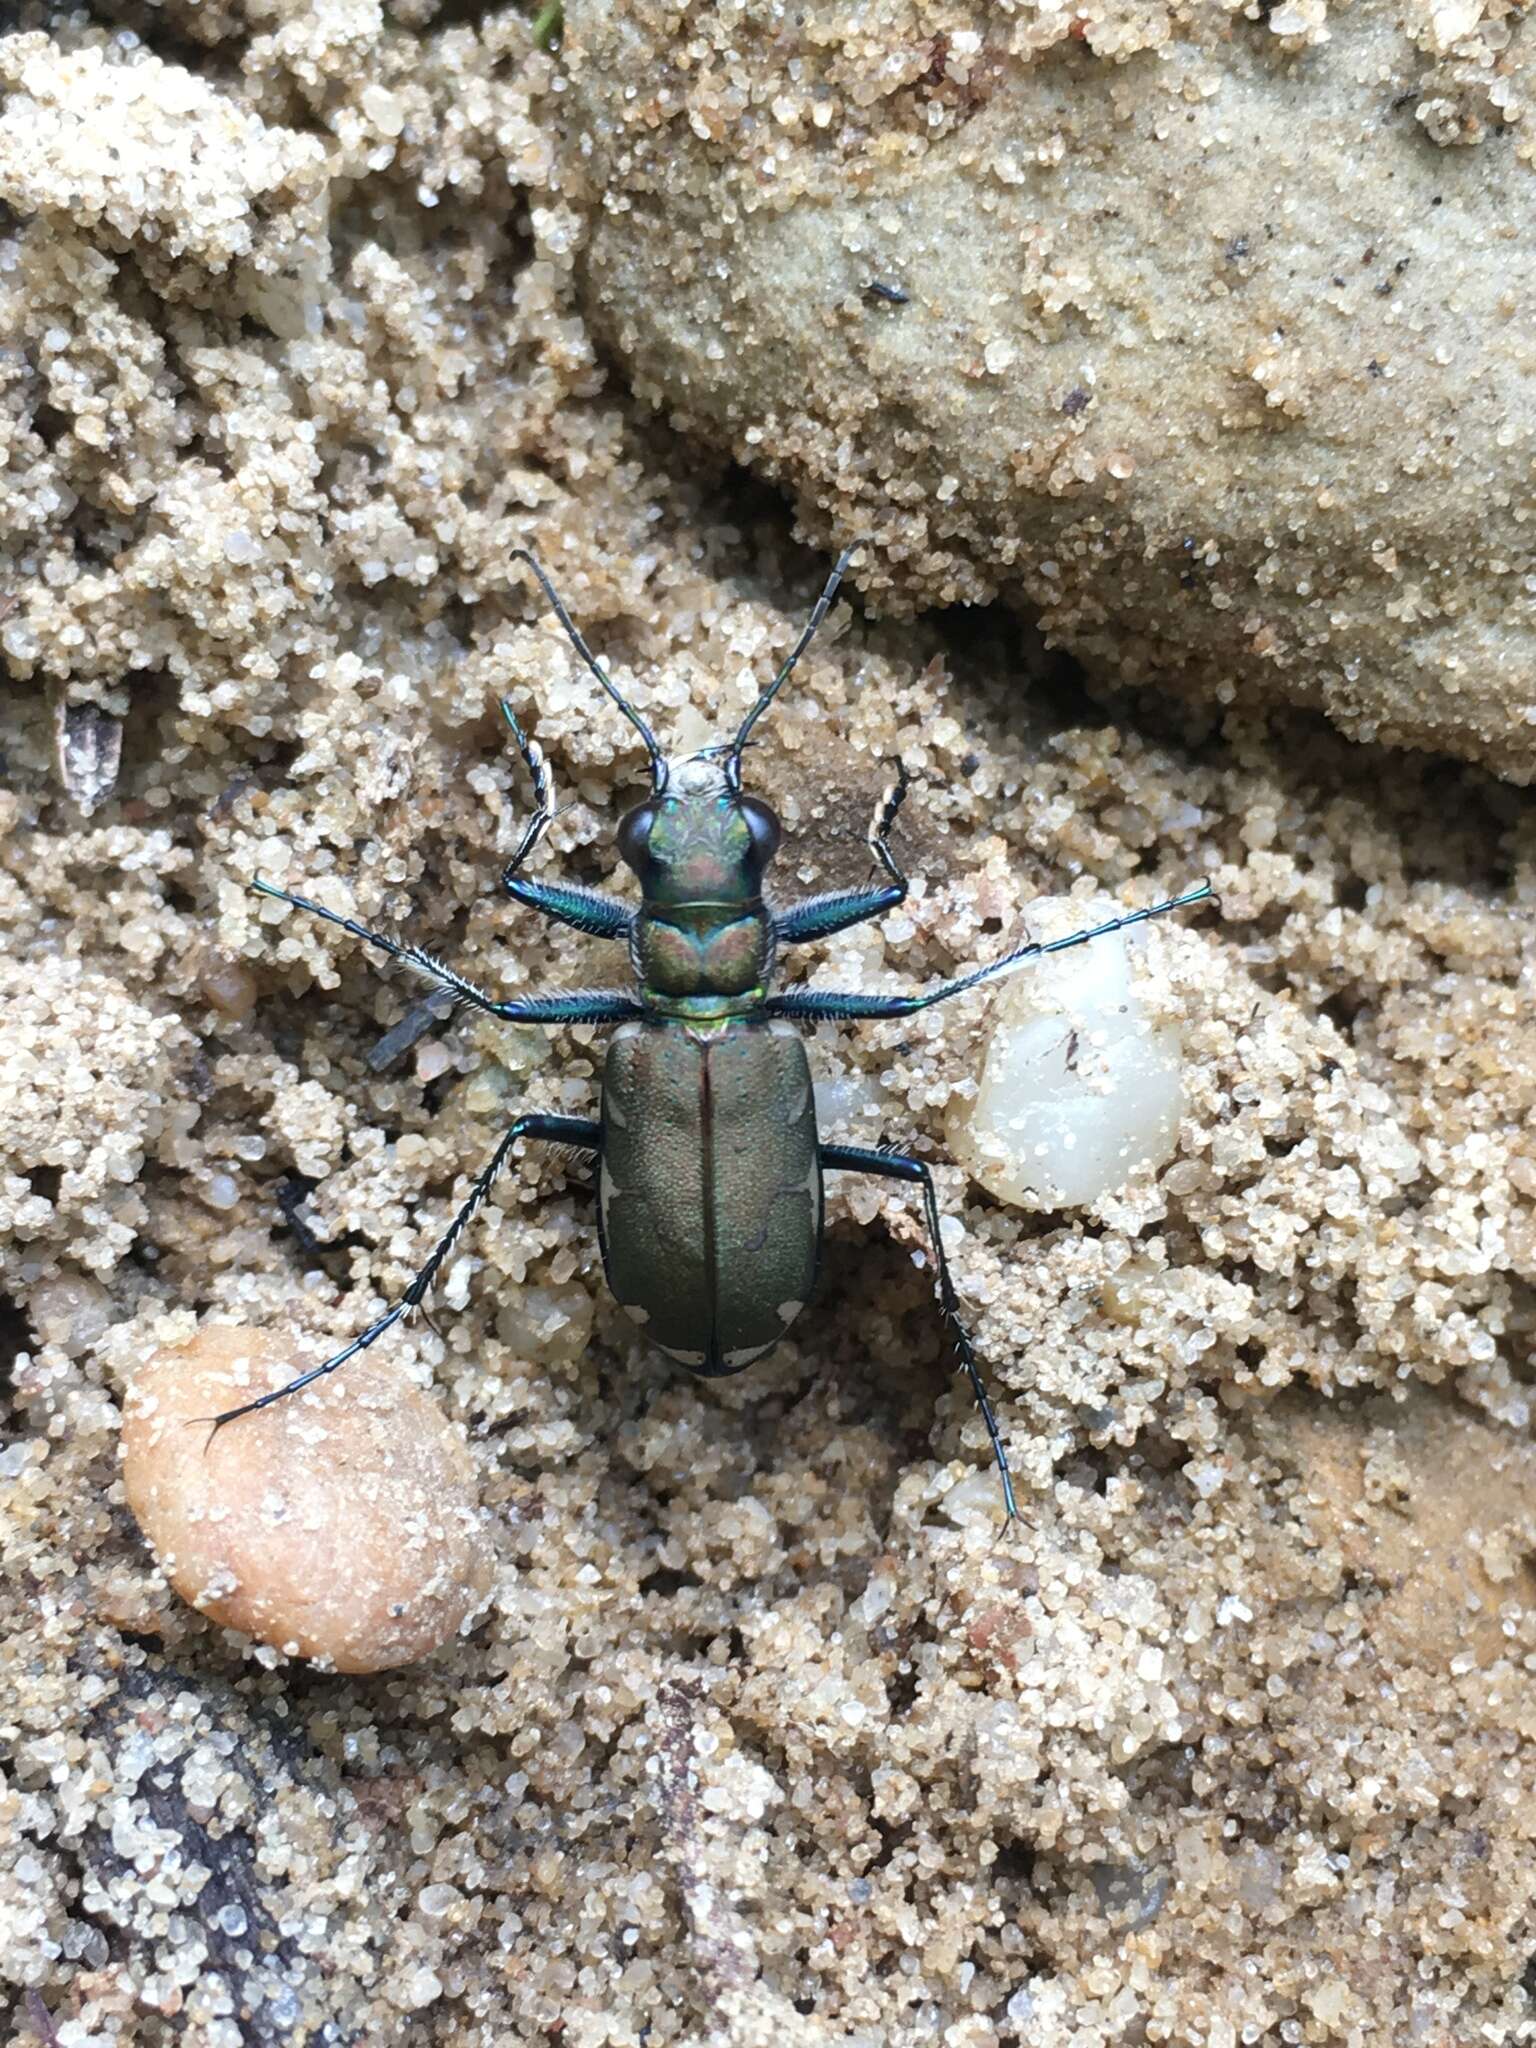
point(342, 1525)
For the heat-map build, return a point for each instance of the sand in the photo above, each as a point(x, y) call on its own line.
point(1190, 326)
point(765, 1734)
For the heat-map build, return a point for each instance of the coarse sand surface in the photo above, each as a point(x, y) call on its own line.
point(763, 1732)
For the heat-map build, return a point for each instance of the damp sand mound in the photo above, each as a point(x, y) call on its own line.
point(1191, 326)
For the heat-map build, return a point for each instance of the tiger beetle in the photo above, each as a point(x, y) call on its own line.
point(710, 1165)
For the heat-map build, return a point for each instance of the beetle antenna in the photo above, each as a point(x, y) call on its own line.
point(823, 606)
point(657, 758)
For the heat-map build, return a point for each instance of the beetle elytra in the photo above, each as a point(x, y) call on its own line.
point(710, 1164)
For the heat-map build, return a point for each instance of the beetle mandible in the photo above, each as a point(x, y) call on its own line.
point(709, 1161)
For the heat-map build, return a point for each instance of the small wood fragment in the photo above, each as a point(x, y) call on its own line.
point(415, 1024)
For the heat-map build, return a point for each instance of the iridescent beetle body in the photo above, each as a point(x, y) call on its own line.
point(709, 1161)
point(709, 1177)
point(709, 1187)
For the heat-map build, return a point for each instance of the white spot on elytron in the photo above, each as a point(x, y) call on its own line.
point(613, 1114)
point(787, 1311)
point(637, 1314)
point(692, 1359)
point(735, 1360)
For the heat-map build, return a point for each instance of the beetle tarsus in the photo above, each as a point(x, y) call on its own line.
point(885, 818)
point(588, 910)
point(578, 1132)
point(885, 1164)
point(579, 1006)
point(819, 917)
point(849, 1006)
point(543, 795)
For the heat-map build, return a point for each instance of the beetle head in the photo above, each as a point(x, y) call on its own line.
point(698, 837)
point(697, 803)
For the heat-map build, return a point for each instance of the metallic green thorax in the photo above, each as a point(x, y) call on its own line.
point(710, 1180)
point(703, 941)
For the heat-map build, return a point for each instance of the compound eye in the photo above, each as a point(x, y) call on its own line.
point(634, 835)
point(763, 825)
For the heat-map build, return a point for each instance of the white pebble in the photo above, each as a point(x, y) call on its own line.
point(1078, 1089)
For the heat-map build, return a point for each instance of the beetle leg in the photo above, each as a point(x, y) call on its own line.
point(820, 916)
point(578, 1131)
point(578, 1006)
point(581, 1006)
point(589, 910)
point(899, 1166)
point(810, 1004)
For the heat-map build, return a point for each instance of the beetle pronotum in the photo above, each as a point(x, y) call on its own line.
point(710, 1164)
